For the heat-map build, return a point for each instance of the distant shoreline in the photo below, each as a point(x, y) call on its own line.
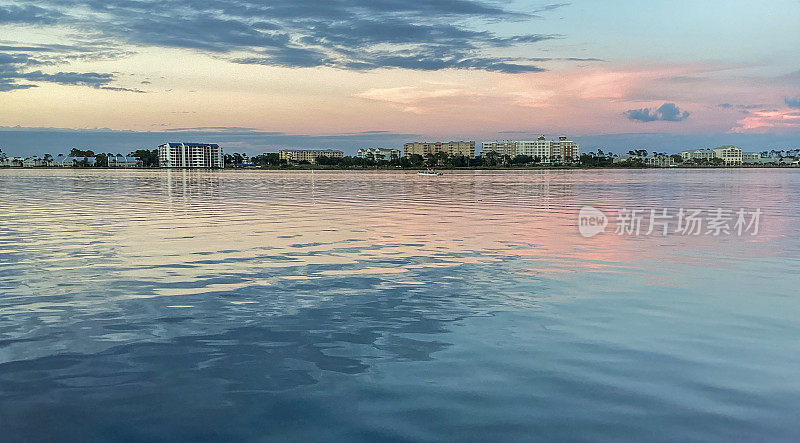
point(410, 170)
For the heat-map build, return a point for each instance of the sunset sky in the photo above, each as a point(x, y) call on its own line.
point(258, 76)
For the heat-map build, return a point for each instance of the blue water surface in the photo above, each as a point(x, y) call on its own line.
point(364, 306)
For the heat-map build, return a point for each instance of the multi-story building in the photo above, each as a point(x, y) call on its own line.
point(465, 148)
point(121, 161)
point(190, 155)
point(544, 150)
point(698, 154)
point(658, 161)
point(505, 147)
point(565, 150)
point(541, 149)
point(309, 155)
point(379, 154)
point(730, 155)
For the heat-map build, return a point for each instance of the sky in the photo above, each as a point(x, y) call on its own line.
point(255, 76)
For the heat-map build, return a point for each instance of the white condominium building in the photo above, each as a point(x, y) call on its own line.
point(190, 155)
point(730, 155)
point(309, 155)
point(467, 149)
point(541, 148)
point(698, 154)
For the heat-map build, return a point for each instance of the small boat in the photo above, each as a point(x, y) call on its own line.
point(430, 172)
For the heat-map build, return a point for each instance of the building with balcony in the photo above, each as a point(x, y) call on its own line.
point(190, 155)
point(503, 148)
point(379, 154)
point(656, 161)
point(545, 151)
point(730, 155)
point(698, 154)
point(464, 148)
point(308, 155)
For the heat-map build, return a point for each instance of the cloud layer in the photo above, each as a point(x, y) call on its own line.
point(348, 34)
point(668, 112)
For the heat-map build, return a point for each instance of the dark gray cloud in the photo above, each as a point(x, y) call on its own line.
point(348, 34)
point(92, 79)
point(26, 13)
point(668, 112)
point(744, 109)
point(792, 102)
point(15, 75)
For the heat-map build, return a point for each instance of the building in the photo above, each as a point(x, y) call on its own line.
point(11, 161)
point(308, 155)
point(503, 148)
point(698, 154)
point(467, 149)
point(730, 155)
point(660, 161)
point(656, 161)
point(122, 161)
point(63, 161)
point(545, 151)
point(33, 162)
point(379, 154)
point(190, 155)
point(66, 161)
point(756, 158)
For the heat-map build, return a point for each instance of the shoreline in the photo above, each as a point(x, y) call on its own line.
point(410, 170)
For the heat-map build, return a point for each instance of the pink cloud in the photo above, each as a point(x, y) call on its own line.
point(769, 121)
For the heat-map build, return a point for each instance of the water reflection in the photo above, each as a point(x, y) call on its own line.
point(262, 299)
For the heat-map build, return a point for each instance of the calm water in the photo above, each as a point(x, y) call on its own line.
point(158, 305)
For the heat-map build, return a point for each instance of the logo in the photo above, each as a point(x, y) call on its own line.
point(591, 221)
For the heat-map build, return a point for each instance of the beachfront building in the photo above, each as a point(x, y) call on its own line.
point(66, 161)
point(190, 155)
point(379, 154)
point(656, 161)
point(122, 161)
point(698, 154)
point(11, 161)
point(33, 162)
point(541, 149)
point(545, 151)
point(751, 158)
point(308, 155)
point(503, 148)
point(63, 161)
point(465, 148)
point(730, 155)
